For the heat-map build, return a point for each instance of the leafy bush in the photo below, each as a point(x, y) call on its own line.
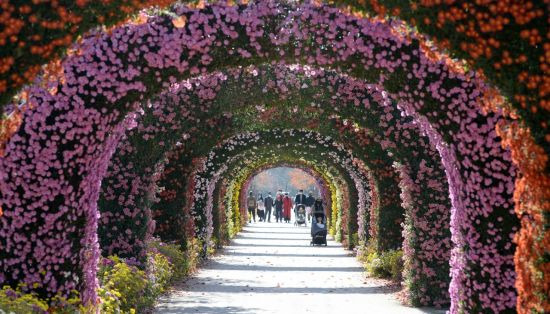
point(110, 300)
point(124, 288)
point(176, 257)
point(71, 305)
point(159, 274)
point(395, 262)
point(194, 248)
point(388, 264)
point(126, 282)
point(17, 302)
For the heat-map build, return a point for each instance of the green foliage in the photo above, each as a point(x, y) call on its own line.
point(236, 213)
point(17, 302)
point(333, 209)
point(71, 305)
point(110, 300)
point(192, 255)
point(386, 264)
point(337, 212)
point(176, 257)
point(159, 274)
point(127, 281)
point(355, 239)
point(125, 288)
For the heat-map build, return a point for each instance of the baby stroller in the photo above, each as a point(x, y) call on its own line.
point(300, 215)
point(319, 229)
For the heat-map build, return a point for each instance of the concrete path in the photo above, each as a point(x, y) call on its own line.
point(270, 268)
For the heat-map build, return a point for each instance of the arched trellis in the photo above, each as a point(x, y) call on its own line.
point(299, 87)
point(222, 196)
point(342, 214)
point(340, 180)
point(206, 206)
point(458, 159)
point(222, 160)
point(244, 151)
point(167, 120)
point(202, 208)
point(118, 185)
point(233, 188)
point(250, 148)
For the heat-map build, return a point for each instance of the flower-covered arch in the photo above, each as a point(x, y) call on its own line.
point(247, 150)
point(168, 121)
point(444, 103)
point(306, 90)
point(336, 181)
point(224, 199)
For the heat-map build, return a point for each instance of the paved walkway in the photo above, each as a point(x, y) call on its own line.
point(270, 268)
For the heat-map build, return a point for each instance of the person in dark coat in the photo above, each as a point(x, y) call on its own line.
point(261, 208)
point(300, 198)
point(268, 204)
point(279, 208)
point(318, 208)
point(252, 204)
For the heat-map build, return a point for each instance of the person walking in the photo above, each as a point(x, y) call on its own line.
point(310, 201)
point(300, 198)
point(268, 204)
point(261, 207)
point(287, 206)
point(279, 208)
point(251, 203)
point(318, 206)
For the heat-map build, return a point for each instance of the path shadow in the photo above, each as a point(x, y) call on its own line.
point(306, 244)
point(275, 239)
point(198, 305)
point(246, 267)
point(203, 309)
point(219, 287)
point(234, 253)
point(264, 232)
point(272, 226)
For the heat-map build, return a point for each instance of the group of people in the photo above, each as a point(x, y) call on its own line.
point(281, 206)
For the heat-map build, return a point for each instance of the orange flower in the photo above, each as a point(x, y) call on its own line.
point(532, 204)
point(179, 22)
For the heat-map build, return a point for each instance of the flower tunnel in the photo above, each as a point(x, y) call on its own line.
point(225, 193)
point(155, 129)
point(255, 78)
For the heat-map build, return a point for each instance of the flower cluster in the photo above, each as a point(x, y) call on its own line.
point(505, 40)
point(531, 195)
point(487, 37)
point(35, 33)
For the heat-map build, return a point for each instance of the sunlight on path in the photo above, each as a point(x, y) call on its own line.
point(270, 268)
